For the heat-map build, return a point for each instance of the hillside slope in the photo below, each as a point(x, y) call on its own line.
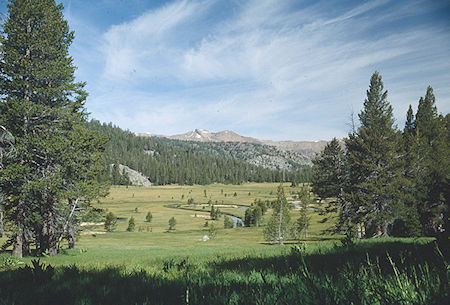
point(166, 161)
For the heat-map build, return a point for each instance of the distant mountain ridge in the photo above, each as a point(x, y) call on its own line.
point(308, 148)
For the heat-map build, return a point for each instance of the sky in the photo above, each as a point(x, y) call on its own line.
point(270, 69)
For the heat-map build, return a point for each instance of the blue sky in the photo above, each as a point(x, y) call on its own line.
point(280, 70)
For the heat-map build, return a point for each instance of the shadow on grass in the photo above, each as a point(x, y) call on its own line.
point(411, 273)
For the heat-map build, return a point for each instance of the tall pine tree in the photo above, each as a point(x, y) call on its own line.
point(277, 229)
point(433, 166)
point(42, 107)
point(371, 155)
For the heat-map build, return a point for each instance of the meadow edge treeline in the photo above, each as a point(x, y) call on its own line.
point(387, 181)
point(166, 161)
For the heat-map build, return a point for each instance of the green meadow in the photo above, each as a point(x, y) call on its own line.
point(155, 265)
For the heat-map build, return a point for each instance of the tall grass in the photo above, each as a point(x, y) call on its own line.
point(367, 273)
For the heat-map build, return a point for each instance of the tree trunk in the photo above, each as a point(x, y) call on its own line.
point(280, 237)
point(71, 237)
point(49, 236)
point(26, 237)
point(384, 230)
point(17, 246)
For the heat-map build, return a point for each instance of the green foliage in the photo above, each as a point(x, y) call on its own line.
point(228, 222)
point(131, 225)
point(8, 261)
point(278, 227)
point(429, 148)
point(148, 217)
point(373, 156)
point(304, 220)
point(253, 216)
point(329, 173)
point(212, 230)
point(348, 241)
point(52, 175)
point(166, 161)
point(172, 223)
point(110, 222)
point(381, 273)
point(214, 213)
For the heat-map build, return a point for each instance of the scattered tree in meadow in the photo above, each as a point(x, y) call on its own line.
point(228, 222)
point(303, 221)
point(214, 213)
point(212, 230)
point(277, 230)
point(110, 222)
point(253, 216)
point(172, 223)
point(131, 225)
point(148, 217)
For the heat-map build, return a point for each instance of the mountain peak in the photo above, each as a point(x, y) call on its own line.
point(309, 148)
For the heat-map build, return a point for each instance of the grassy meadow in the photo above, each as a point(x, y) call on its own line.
point(156, 266)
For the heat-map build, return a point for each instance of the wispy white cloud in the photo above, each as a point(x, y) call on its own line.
point(139, 47)
point(267, 67)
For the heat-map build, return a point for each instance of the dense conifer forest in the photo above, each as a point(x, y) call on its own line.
point(166, 161)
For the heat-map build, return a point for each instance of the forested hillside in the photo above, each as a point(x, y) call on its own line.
point(257, 154)
point(167, 161)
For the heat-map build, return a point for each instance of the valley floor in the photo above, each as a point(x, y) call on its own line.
point(154, 265)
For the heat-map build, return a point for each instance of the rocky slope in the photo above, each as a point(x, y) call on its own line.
point(306, 148)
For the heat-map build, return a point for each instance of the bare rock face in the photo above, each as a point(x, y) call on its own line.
point(309, 148)
point(266, 153)
point(136, 178)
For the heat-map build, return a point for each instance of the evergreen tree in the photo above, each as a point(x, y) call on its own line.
point(303, 221)
point(172, 223)
point(110, 222)
point(228, 222)
point(149, 217)
point(253, 216)
point(372, 155)
point(6, 149)
point(131, 225)
point(42, 106)
point(329, 174)
point(433, 168)
point(277, 230)
point(407, 223)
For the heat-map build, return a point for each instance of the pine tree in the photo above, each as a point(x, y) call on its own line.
point(110, 222)
point(6, 150)
point(277, 230)
point(371, 155)
point(42, 107)
point(228, 222)
point(303, 221)
point(433, 166)
point(172, 223)
point(329, 174)
point(149, 217)
point(131, 225)
point(407, 223)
